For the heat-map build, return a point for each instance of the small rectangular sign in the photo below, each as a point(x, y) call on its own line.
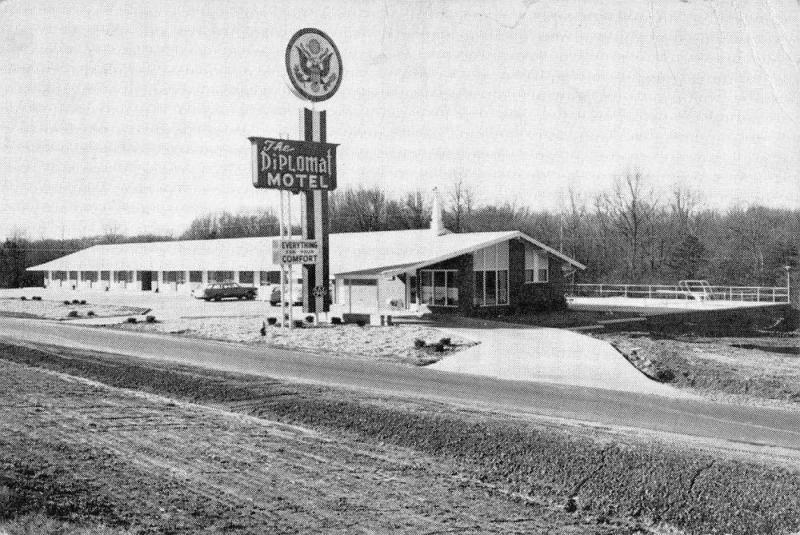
point(295, 251)
point(293, 165)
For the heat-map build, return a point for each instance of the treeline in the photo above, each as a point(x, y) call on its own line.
point(626, 234)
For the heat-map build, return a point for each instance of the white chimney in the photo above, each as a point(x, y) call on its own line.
point(437, 227)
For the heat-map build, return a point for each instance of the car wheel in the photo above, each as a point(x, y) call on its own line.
point(206, 299)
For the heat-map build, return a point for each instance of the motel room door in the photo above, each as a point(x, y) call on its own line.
point(147, 281)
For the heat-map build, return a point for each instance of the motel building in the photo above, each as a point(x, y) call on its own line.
point(475, 273)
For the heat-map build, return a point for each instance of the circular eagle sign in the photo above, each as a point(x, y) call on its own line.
point(314, 64)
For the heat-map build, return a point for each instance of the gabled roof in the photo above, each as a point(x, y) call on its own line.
point(383, 252)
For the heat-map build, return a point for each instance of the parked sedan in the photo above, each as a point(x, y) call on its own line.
point(228, 290)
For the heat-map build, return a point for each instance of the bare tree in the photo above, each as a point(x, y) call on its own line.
point(632, 206)
point(462, 201)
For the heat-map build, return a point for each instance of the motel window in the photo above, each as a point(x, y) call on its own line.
point(491, 275)
point(438, 287)
point(73, 275)
point(177, 277)
point(246, 277)
point(105, 276)
point(138, 276)
point(60, 275)
point(122, 276)
point(89, 276)
point(220, 276)
point(195, 276)
point(270, 277)
point(412, 289)
point(536, 265)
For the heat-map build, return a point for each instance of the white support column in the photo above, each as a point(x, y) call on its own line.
point(236, 277)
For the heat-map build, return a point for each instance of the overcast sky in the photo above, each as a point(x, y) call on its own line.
point(135, 115)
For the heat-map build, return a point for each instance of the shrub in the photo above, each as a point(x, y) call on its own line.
point(446, 341)
point(23, 298)
point(73, 314)
point(336, 320)
point(83, 301)
point(298, 324)
point(37, 297)
point(272, 321)
point(150, 319)
point(90, 313)
point(66, 302)
point(438, 347)
point(419, 343)
point(570, 506)
point(75, 302)
point(361, 323)
point(665, 375)
point(131, 320)
point(263, 329)
point(309, 319)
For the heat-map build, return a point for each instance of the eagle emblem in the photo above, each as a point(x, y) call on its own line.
point(313, 64)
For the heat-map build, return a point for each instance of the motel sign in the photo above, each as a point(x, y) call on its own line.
point(287, 252)
point(292, 165)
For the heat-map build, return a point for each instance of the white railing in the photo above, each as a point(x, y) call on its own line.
point(760, 294)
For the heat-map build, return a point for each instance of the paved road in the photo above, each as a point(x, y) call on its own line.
point(752, 426)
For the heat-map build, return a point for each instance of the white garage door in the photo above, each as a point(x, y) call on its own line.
point(360, 295)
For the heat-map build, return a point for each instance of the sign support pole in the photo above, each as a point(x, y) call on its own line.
point(283, 272)
point(316, 277)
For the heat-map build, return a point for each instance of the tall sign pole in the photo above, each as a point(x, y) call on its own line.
point(314, 66)
point(316, 298)
point(308, 165)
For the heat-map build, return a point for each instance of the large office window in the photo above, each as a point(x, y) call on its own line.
point(491, 275)
point(89, 276)
point(246, 277)
point(438, 287)
point(195, 276)
point(536, 265)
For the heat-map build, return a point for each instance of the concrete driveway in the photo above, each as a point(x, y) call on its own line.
point(542, 354)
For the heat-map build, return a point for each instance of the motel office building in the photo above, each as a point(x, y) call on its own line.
point(477, 273)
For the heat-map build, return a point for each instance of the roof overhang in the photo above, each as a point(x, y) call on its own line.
point(396, 270)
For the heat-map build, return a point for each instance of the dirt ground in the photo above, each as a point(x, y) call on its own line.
point(733, 368)
point(57, 310)
point(392, 343)
point(86, 452)
point(191, 450)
